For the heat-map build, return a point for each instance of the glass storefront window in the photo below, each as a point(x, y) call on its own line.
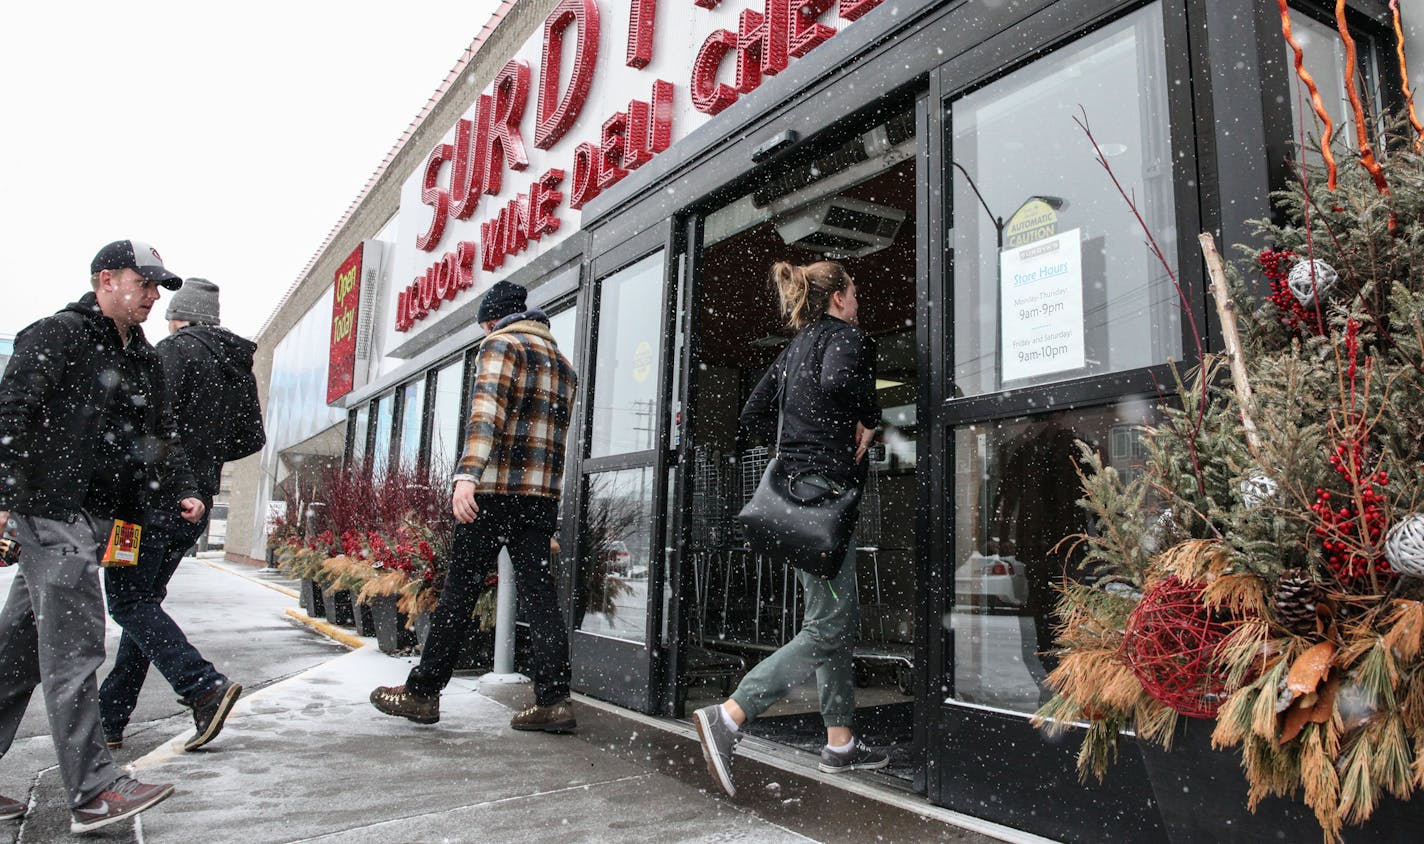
point(1016, 492)
point(448, 415)
point(359, 428)
point(627, 359)
point(615, 547)
point(1052, 279)
point(564, 326)
point(383, 410)
point(412, 414)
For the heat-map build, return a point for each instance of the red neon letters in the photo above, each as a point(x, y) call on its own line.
point(455, 271)
point(554, 120)
point(435, 196)
point(642, 18)
point(766, 39)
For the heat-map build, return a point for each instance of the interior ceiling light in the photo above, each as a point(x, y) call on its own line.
point(884, 384)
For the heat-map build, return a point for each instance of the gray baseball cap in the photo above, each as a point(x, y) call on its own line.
point(137, 256)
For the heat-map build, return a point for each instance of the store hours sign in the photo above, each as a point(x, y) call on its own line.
point(1041, 307)
point(602, 90)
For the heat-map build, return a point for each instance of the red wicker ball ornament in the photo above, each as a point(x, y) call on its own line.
point(1169, 644)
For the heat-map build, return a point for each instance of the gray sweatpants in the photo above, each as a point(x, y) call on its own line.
point(824, 645)
point(52, 634)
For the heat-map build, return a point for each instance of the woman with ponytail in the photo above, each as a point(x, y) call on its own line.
point(821, 389)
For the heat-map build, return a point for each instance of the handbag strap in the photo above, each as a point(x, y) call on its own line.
point(781, 407)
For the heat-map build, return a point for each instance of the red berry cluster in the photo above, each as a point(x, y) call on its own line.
point(1367, 526)
point(1276, 266)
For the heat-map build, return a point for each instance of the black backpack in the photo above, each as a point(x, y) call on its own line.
point(241, 413)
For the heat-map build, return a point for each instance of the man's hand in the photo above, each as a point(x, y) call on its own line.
point(863, 438)
point(192, 509)
point(462, 503)
point(4, 519)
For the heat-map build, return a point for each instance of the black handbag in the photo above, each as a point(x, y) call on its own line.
point(806, 520)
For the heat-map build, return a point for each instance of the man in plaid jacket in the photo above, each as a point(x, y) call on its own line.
point(507, 487)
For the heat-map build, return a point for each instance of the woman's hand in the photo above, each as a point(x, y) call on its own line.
point(863, 438)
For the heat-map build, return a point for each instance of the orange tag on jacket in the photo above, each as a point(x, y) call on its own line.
point(122, 549)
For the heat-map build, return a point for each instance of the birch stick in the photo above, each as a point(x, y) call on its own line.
point(1231, 335)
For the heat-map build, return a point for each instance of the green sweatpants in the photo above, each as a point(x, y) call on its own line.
point(824, 645)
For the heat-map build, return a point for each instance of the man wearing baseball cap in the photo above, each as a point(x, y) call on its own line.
point(86, 438)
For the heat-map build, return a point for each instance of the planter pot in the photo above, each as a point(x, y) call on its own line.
point(391, 635)
point(338, 605)
point(477, 651)
point(1202, 796)
point(365, 622)
point(313, 603)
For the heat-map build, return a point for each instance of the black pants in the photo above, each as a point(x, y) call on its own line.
point(135, 595)
point(524, 524)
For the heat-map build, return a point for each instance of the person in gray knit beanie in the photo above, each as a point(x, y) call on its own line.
point(195, 302)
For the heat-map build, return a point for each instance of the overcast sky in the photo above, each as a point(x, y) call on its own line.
point(232, 138)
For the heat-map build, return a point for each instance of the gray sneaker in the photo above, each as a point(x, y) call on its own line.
point(10, 809)
point(125, 798)
point(718, 743)
point(858, 758)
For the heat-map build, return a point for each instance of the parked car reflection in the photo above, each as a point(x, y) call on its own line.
point(992, 580)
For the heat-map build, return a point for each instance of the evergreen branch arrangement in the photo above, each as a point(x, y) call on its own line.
point(1266, 569)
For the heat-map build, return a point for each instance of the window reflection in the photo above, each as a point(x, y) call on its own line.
point(1323, 54)
point(1016, 498)
point(615, 547)
point(383, 411)
point(627, 360)
point(412, 414)
point(1074, 290)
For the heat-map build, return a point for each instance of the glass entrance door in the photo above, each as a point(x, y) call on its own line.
point(618, 588)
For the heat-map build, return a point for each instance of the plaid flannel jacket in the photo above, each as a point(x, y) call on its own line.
point(519, 413)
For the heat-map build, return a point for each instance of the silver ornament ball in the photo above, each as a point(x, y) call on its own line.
point(1257, 490)
point(1309, 278)
point(1404, 546)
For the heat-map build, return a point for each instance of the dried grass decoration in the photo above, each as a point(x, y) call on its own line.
point(1171, 644)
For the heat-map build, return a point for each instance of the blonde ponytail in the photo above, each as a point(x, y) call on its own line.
point(804, 292)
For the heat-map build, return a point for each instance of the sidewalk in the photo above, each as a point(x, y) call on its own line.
point(305, 758)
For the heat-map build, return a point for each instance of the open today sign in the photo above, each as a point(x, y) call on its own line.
point(345, 308)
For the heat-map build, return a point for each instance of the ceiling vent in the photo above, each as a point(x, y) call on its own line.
point(840, 227)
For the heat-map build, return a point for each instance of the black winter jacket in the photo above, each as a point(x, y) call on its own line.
point(195, 379)
point(829, 372)
point(57, 404)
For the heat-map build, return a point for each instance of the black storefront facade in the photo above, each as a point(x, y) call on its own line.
point(933, 145)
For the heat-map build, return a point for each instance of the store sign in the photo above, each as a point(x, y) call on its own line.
point(345, 315)
point(1041, 307)
point(484, 197)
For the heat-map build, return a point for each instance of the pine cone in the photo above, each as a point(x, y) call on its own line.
point(1296, 596)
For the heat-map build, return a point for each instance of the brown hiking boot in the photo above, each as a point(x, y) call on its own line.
point(10, 809)
point(400, 701)
point(555, 718)
point(125, 798)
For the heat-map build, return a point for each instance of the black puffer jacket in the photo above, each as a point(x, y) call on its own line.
point(196, 377)
point(58, 403)
point(829, 370)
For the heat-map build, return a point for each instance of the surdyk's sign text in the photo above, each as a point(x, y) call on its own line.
point(459, 173)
